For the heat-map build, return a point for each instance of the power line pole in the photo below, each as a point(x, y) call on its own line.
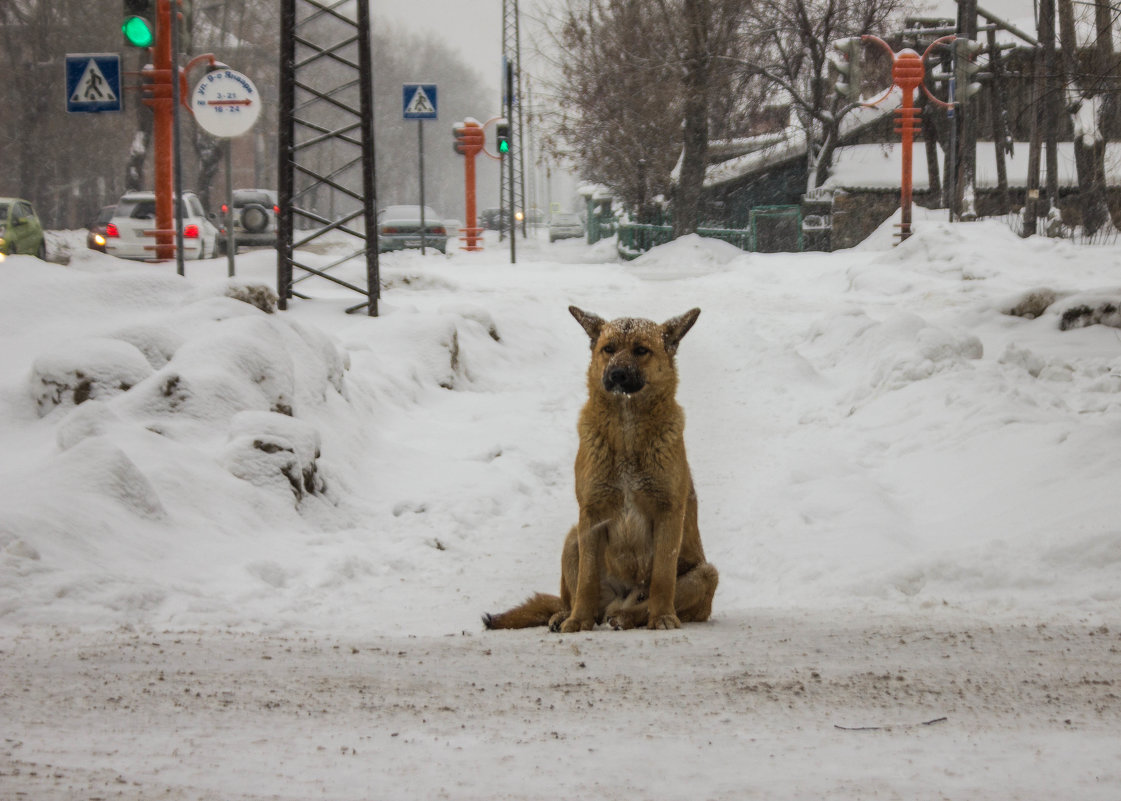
point(512, 170)
point(326, 181)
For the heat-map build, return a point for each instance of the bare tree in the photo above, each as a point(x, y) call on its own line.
point(709, 32)
point(788, 45)
point(1087, 91)
point(636, 93)
point(617, 100)
point(61, 162)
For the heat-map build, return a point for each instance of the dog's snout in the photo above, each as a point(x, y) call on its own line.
point(624, 379)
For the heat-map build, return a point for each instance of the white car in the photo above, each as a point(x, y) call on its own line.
point(125, 235)
point(399, 228)
point(565, 226)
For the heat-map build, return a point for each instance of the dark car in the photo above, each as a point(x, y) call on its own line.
point(255, 215)
point(494, 219)
point(95, 236)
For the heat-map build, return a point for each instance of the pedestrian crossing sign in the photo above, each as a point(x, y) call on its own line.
point(93, 82)
point(419, 101)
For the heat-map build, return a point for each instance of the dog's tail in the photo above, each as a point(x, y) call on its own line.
point(536, 611)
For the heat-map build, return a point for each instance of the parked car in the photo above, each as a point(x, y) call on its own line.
point(136, 213)
point(565, 226)
point(494, 219)
point(95, 235)
point(20, 229)
point(254, 218)
point(399, 228)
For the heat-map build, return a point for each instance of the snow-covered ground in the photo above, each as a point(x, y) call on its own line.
point(251, 562)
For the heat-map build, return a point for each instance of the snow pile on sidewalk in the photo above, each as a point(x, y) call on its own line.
point(871, 429)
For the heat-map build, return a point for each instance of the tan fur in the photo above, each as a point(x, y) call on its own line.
point(634, 558)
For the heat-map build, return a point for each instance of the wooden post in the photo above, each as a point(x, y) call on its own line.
point(1051, 90)
point(1000, 134)
point(1031, 200)
point(967, 121)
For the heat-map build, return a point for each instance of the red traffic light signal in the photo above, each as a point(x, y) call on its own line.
point(469, 138)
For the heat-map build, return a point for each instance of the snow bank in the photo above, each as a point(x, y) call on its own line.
point(886, 429)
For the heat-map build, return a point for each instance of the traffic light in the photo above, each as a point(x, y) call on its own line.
point(850, 69)
point(965, 69)
point(139, 26)
point(468, 139)
point(186, 11)
point(502, 135)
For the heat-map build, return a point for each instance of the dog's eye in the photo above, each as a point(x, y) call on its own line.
point(641, 351)
point(609, 349)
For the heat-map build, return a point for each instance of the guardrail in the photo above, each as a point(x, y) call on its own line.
point(772, 229)
point(635, 239)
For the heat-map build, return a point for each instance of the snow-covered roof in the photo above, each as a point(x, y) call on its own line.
point(594, 191)
point(879, 166)
point(1018, 13)
point(768, 150)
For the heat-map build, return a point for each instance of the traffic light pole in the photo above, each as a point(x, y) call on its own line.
point(469, 139)
point(510, 163)
point(160, 101)
point(420, 168)
point(469, 202)
point(908, 73)
point(952, 151)
point(176, 167)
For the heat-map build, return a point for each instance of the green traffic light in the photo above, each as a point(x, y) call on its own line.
point(503, 146)
point(138, 32)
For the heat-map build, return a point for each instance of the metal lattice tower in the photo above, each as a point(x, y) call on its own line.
point(326, 142)
point(512, 105)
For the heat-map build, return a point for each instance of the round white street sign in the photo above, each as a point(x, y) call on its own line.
point(225, 103)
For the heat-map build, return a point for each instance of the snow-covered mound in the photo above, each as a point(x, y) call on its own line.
point(904, 429)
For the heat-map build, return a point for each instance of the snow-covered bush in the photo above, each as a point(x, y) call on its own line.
point(276, 452)
point(86, 370)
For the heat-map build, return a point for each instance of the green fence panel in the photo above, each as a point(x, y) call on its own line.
point(773, 229)
point(777, 229)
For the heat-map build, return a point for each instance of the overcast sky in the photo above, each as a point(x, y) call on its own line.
point(472, 27)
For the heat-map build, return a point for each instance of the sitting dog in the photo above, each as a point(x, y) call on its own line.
point(634, 557)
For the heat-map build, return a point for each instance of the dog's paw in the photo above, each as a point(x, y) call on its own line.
point(664, 622)
point(620, 621)
point(556, 620)
point(575, 624)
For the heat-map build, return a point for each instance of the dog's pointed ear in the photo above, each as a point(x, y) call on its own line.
point(674, 329)
point(590, 322)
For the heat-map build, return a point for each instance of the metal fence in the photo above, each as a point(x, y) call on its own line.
point(600, 227)
point(777, 229)
point(772, 229)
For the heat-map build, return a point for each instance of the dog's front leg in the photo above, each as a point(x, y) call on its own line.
point(592, 540)
point(663, 579)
